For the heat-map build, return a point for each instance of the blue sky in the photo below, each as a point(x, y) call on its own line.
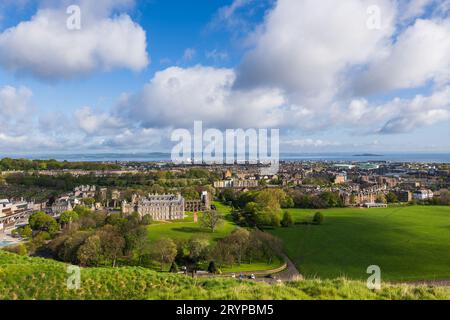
point(137, 70)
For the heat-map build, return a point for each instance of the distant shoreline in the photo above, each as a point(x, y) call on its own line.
point(164, 157)
point(368, 155)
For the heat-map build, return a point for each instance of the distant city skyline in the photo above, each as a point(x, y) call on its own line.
point(365, 76)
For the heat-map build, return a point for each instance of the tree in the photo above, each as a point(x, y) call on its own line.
point(270, 246)
point(211, 220)
point(223, 253)
point(24, 232)
point(136, 240)
point(19, 249)
point(173, 267)
point(164, 251)
point(381, 198)
point(391, 198)
point(89, 253)
point(288, 220)
point(198, 249)
point(318, 218)
point(112, 243)
point(68, 217)
point(147, 220)
point(82, 211)
point(331, 199)
point(88, 202)
point(212, 267)
point(66, 247)
point(239, 241)
point(40, 221)
point(287, 202)
point(444, 197)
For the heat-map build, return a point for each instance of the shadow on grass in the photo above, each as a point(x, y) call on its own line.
point(189, 230)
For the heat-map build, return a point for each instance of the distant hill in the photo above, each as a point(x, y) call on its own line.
point(36, 278)
point(368, 155)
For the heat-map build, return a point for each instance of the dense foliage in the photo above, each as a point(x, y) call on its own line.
point(7, 164)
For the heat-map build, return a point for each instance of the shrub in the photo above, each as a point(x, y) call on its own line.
point(288, 220)
point(212, 267)
point(318, 218)
point(173, 268)
point(19, 249)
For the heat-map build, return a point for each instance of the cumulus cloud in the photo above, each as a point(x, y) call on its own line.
point(96, 123)
point(138, 138)
point(46, 48)
point(420, 54)
point(179, 96)
point(410, 9)
point(312, 66)
point(14, 101)
point(395, 116)
point(306, 46)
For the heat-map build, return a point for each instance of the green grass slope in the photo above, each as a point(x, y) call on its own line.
point(33, 278)
point(407, 243)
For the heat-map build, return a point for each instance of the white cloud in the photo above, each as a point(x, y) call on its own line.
point(410, 9)
point(216, 55)
point(395, 116)
point(138, 138)
point(96, 123)
point(14, 102)
point(420, 54)
point(316, 143)
point(178, 97)
point(46, 48)
point(311, 67)
point(189, 54)
point(305, 47)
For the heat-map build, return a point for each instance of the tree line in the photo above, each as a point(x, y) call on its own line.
point(95, 239)
point(7, 164)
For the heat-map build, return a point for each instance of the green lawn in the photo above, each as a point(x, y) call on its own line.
point(186, 229)
point(407, 243)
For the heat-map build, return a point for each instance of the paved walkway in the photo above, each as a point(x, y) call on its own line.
point(290, 273)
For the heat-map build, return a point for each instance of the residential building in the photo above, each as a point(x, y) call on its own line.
point(423, 195)
point(404, 196)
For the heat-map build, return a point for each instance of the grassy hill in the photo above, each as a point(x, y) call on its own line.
point(408, 243)
point(35, 278)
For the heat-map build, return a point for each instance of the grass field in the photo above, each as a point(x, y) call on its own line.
point(407, 243)
point(186, 229)
point(24, 278)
